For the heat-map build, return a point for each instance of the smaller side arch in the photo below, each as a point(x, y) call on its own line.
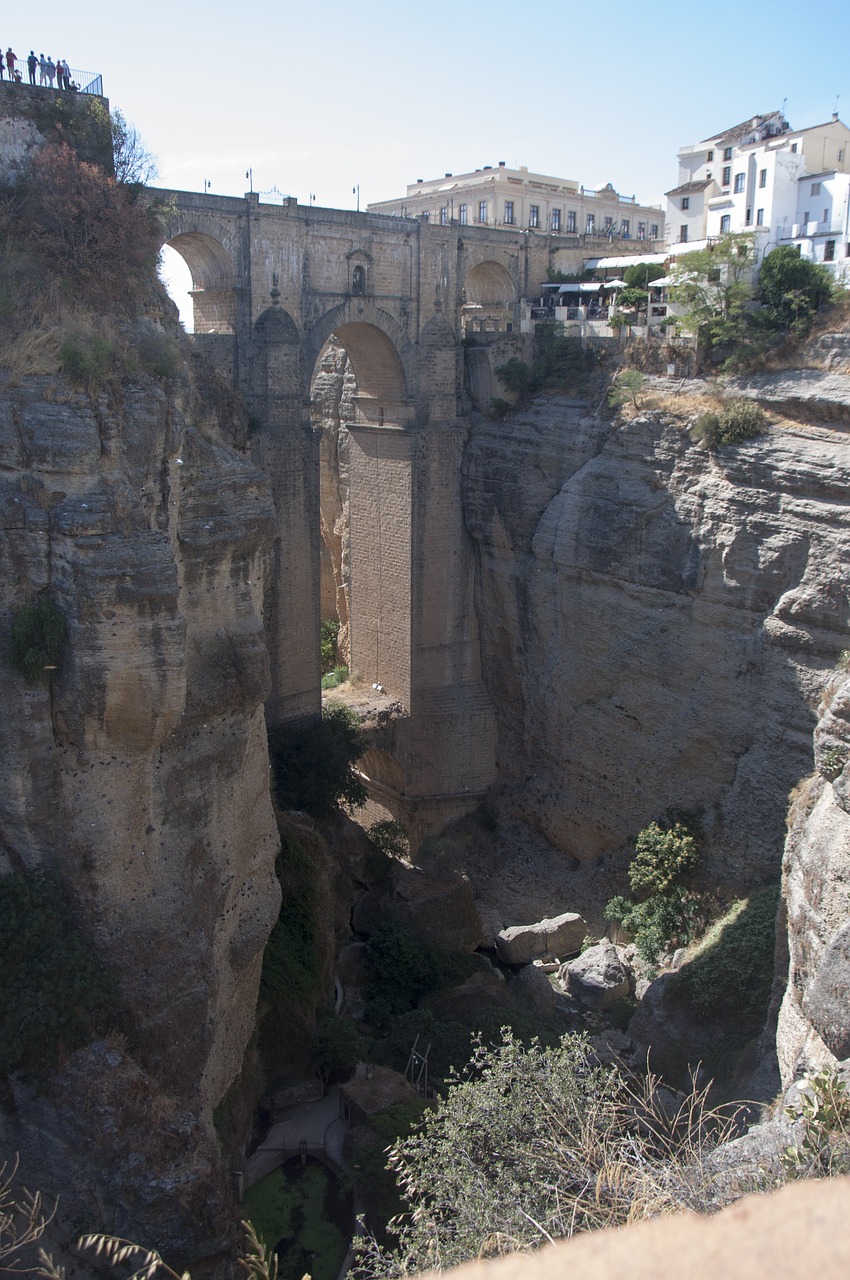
point(382, 772)
point(213, 280)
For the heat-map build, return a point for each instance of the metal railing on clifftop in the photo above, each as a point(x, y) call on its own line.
point(86, 81)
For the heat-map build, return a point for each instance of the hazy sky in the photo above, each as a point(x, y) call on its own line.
point(320, 97)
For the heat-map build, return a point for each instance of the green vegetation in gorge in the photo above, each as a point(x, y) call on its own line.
point(54, 994)
point(313, 764)
point(662, 912)
point(560, 364)
point(533, 1143)
point(36, 640)
point(737, 421)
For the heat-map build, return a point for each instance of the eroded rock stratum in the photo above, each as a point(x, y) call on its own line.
point(657, 622)
point(140, 773)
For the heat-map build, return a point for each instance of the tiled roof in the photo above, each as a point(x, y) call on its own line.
point(739, 132)
point(690, 188)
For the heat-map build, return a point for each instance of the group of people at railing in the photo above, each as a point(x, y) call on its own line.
point(12, 67)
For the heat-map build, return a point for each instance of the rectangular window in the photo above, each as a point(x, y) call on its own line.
point(793, 148)
point(826, 215)
point(556, 220)
point(571, 220)
point(686, 202)
point(739, 183)
point(444, 216)
point(815, 188)
point(653, 231)
point(709, 157)
point(727, 175)
point(748, 219)
point(762, 177)
point(625, 226)
point(641, 231)
point(482, 210)
point(461, 213)
point(725, 223)
point(609, 226)
point(509, 211)
point(806, 216)
point(683, 235)
point(534, 215)
point(759, 217)
point(590, 224)
point(727, 154)
point(841, 155)
point(829, 251)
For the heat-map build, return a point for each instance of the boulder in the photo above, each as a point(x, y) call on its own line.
point(531, 989)
point(598, 977)
point(558, 936)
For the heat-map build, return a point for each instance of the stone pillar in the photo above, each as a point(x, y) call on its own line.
point(286, 448)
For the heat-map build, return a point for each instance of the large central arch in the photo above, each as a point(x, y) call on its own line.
point(366, 455)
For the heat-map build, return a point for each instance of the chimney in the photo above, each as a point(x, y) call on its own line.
point(448, 175)
point(835, 115)
point(419, 182)
point(501, 164)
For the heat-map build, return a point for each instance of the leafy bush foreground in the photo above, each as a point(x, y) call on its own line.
point(533, 1143)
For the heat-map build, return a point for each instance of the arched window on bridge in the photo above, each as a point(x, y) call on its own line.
point(358, 280)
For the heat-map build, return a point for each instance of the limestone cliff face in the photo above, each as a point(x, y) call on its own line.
point(814, 1019)
point(657, 622)
point(141, 773)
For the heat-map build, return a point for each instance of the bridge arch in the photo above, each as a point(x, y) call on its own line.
point(213, 280)
point(380, 356)
point(489, 284)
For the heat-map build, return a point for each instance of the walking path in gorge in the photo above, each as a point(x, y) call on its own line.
point(318, 1125)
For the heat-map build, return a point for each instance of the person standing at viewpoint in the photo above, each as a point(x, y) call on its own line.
point(42, 71)
point(32, 63)
point(51, 71)
point(10, 63)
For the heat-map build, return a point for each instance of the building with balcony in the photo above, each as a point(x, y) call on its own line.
point(514, 198)
point(750, 178)
point(821, 230)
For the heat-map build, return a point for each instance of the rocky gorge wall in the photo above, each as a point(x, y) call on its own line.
point(657, 622)
point(139, 773)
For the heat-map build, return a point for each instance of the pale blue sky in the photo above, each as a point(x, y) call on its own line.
point(319, 98)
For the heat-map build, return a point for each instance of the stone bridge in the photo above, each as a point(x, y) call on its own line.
point(272, 284)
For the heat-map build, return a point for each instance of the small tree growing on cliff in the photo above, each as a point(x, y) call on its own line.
point(313, 765)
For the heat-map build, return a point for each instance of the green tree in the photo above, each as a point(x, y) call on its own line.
point(715, 284)
point(134, 165)
point(500, 1164)
point(638, 278)
point(313, 764)
point(641, 274)
point(626, 388)
point(793, 289)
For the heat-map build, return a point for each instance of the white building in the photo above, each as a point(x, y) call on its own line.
point(757, 177)
point(535, 202)
point(821, 230)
